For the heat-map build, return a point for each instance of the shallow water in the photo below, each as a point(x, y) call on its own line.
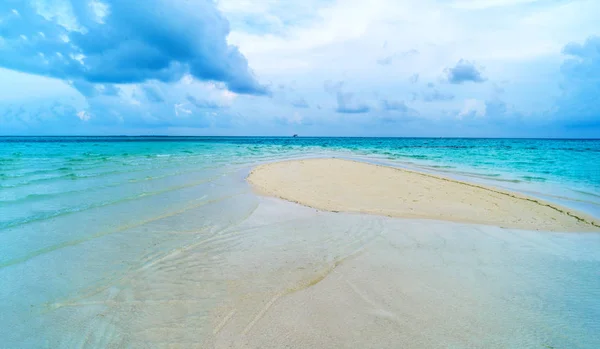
point(157, 242)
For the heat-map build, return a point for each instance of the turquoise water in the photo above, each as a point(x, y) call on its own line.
point(103, 239)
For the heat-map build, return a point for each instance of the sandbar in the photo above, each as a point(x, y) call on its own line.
point(345, 185)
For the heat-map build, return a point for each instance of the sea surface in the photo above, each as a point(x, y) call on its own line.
point(137, 241)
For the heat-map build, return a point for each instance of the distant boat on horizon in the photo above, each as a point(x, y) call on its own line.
point(295, 135)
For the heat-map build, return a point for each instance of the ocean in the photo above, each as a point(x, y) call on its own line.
point(143, 241)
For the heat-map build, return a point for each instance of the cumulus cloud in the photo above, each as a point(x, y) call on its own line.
point(347, 104)
point(115, 41)
point(578, 104)
point(464, 71)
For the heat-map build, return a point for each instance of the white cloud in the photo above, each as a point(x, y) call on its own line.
point(83, 115)
point(379, 50)
point(100, 10)
point(485, 4)
point(349, 35)
point(181, 110)
point(472, 107)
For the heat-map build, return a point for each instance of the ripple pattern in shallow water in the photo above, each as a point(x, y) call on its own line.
point(162, 243)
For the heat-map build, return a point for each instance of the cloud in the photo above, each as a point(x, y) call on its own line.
point(121, 42)
point(93, 90)
point(83, 115)
point(181, 110)
point(464, 71)
point(434, 95)
point(399, 106)
point(41, 117)
point(586, 50)
point(333, 86)
point(472, 108)
point(293, 119)
point(109, 90)
point(497, 89)
point(300, 103)
point(85, 88)
point(391, 58)
point(499, 112)
point(396, 111)
point(482, 5)
point(347, 105)
point(580, 86)
point(413, 79)
point(153, 94)
point(202, 104)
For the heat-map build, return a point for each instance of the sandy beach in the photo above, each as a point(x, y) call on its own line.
point(184, 252)
point(351, 186)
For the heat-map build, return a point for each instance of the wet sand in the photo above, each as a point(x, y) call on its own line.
point(314, 279)
point(351, 186)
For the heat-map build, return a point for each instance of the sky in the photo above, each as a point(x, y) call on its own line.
point(410, 68)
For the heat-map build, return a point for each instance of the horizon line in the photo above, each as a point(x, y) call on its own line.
point(287, 136)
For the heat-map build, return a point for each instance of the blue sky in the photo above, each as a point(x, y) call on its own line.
point(473, 68)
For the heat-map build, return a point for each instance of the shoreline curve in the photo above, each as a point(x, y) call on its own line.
point(333, 184)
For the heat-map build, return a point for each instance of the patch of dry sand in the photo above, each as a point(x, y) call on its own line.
point(351, 186)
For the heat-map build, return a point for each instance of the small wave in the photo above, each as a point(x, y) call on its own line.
point(70, 210)
point(580, 150)
point(534, 178)
point(441, 166)
point(416, 156)
point(30, 197)
point(586, 193)
point(508, 180)
point(490, 175)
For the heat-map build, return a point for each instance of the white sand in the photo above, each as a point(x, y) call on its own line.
point(342, 185)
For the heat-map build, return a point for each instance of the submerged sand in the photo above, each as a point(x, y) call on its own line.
point(351, 186)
